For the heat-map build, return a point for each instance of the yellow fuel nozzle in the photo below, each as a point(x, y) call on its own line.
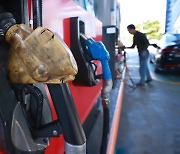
point(38, 56)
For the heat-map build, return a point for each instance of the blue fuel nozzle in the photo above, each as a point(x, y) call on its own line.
point(99, 52)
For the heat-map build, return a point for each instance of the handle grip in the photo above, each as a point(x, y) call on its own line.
point(106, 70)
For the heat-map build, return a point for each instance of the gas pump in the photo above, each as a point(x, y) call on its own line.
point(27, 97)
point(86, 68)
point(98, 52)
point(24, 125)
point(85, 50)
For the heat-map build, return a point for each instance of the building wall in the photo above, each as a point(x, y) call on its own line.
point(172, 16)
point(108, 12)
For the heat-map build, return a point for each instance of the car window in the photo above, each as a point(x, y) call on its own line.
point(167, 40)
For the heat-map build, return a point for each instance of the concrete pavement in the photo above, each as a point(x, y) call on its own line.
point(150, 117)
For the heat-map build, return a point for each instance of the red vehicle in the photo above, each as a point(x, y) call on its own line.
point(168, 59)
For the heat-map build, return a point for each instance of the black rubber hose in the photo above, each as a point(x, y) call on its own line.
point(67, 114)
point(105, 129)
point(6, 21)
point(4, 15)
point(37, 13)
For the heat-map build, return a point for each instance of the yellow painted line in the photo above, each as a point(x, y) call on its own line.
point(164, 81)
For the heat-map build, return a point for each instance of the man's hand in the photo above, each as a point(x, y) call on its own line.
point(122, 47)
point(155, 46)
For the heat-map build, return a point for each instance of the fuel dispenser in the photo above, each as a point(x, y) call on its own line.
point(26, 115)
point(85, 50)
point(87, 74)
point(110, 37)
point(98, 52)
point(23, 119)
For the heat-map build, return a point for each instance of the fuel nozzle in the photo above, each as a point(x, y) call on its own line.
point(83, 37)
point(6, 20)
point(36, 55)
point(99, 52)
point(88, 41)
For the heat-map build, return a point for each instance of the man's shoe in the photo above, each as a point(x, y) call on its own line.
point(140, 84)
point(150, 80)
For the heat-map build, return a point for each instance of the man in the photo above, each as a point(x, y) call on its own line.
point(142, 43)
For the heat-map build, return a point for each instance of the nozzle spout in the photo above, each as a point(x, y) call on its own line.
point(83, 37)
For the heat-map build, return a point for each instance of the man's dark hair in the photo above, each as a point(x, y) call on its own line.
point(131, 26)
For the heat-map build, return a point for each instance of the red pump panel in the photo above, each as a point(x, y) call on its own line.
point(84, 96)
point(54, 13)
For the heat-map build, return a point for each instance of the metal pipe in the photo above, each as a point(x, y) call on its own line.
point(73, 133)
point(37, 13)
point(105, 93)
point(75, 140)
point(75, 149)
point(106, 89)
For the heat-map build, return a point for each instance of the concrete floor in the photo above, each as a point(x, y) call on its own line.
point(150, 117)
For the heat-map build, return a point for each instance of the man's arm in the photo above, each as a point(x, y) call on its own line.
point(124, 47)
point(132, 46)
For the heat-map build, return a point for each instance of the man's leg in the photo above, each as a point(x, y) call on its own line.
point(148, 75)
point(142, 69)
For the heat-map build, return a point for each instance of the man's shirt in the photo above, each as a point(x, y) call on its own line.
point(140, 41)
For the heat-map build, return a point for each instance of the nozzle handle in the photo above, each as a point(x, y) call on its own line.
point(83, 36)
point(106, 70)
